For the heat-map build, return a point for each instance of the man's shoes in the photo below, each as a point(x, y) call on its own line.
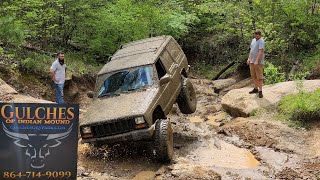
point(260, 94)
point(254, 91)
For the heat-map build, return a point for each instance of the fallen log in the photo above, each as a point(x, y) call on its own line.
point(224, 70)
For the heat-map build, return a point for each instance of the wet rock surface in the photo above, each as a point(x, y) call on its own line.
point(239, 103)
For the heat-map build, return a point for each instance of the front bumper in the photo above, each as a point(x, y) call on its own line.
point(136, 135)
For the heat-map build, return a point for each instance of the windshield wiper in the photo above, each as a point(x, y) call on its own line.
point(132, 89)
point(110, 94)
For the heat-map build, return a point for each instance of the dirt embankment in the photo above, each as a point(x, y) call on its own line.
point(41, 86)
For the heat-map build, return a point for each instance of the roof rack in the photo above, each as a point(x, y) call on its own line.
point(135, 53)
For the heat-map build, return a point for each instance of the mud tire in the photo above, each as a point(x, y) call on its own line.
point(187, 99)
point(163, 137)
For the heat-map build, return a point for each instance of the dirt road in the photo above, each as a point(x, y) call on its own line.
point(211, 145)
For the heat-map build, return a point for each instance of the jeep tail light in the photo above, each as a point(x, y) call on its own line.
point(140, 126)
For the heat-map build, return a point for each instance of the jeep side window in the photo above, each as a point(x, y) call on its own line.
point(160, 69)
point(173, 49)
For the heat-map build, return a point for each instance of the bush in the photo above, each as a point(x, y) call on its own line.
point(204, 70)
point(303, 107)
point(77, 63)
point(299, 76)
point(312, 59)
point(273, 74)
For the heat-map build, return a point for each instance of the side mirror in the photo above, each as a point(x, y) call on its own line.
point(90, 94)
point(165, 79)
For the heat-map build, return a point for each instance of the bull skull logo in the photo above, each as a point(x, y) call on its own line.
point(39, 151)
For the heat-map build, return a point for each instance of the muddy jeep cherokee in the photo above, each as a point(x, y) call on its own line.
point(135, 92)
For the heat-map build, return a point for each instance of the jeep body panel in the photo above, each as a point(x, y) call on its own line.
point(127, 104)
point(163, 54)
point(144, 52)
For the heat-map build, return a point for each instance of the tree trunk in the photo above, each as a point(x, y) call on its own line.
point(314, 5)
point(224, 70)
point(252, 15)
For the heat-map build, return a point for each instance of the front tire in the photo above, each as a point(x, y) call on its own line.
point(187, 99)
point(163, 141)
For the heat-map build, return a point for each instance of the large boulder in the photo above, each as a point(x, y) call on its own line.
point(243, 83)
point(221, 84)
point(239, 103)
point(6, 89)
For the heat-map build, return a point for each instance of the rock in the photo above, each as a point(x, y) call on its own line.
point(225, 132)
point(239, 103)
point(221, 84)
point(244, 83)
point(211, 109)
point(80, 171)
point(6, 89)
point(161, 171)
point(86, 174)
point(82, 110)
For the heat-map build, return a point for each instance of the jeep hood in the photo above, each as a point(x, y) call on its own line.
point(115, 107)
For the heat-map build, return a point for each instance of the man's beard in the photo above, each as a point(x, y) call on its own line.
point(61, 61)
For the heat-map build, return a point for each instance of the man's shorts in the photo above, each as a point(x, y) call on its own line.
point(256, 71)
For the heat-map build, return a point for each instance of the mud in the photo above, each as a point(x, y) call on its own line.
point(209, 144)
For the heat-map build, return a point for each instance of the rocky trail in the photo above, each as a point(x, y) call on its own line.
point(211, 144)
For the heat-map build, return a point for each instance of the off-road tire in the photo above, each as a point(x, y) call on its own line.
point(163, 137)
point(187, 99)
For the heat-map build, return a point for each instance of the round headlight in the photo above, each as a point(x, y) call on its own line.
point(139, 120)
point(86, 130)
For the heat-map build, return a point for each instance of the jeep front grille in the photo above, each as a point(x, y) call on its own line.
point(113, 128)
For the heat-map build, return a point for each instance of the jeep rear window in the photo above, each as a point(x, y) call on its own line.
point(126, 80)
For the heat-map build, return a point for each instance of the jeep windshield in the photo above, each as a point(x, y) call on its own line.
point(126, 80)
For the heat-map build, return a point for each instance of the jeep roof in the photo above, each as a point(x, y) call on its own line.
point(137, 53)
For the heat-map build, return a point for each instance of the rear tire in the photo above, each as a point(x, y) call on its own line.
point(163, 141)
point(187, 99)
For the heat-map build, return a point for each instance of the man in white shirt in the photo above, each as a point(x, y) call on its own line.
point(256, 62)
point(58, 75)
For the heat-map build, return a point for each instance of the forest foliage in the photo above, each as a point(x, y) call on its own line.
point(210, 31)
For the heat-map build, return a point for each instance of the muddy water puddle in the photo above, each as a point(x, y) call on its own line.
point(145, 175)
point(196, 119)
point(216, 153)
point(214, 120)
point(126, 166)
